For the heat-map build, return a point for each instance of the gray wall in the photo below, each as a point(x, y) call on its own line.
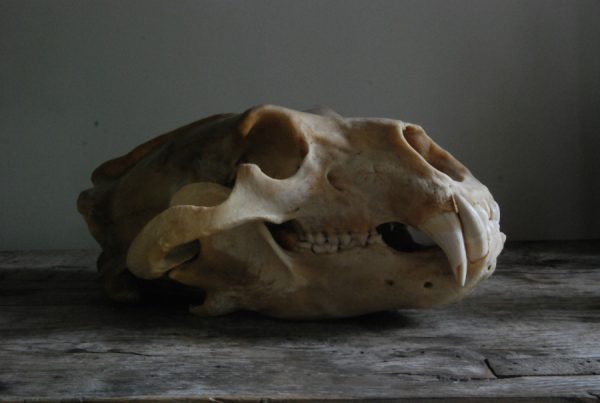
point(509, 87)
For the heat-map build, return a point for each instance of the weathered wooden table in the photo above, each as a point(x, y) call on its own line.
point(531, 332)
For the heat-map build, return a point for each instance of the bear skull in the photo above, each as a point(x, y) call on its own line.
point(317, 221)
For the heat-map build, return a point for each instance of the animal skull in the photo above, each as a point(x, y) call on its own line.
point(294, 215)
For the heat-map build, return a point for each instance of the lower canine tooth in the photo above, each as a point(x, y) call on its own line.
point(445, 230)
point(320, 238)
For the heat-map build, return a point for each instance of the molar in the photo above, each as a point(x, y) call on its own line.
point(331, 248)
point(303, 245)
point(345, 239)
point(360, 238)
point(320, 238)
point(333, 239)
point(319, 249)
point(374, 237)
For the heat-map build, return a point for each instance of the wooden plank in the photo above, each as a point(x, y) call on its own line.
point(545, 366)
point(31, 260)
point(50, 286)
point(530, 332)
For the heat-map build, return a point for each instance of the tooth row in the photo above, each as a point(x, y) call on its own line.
point(321, 243)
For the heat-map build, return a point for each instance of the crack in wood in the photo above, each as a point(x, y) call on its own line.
point(490, 368)
point(111, 351)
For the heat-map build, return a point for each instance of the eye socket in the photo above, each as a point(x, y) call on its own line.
point(276, 146)
point(434, 154)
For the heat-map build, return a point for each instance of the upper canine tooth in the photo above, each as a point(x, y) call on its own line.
point(445, 230)
point(475, 232)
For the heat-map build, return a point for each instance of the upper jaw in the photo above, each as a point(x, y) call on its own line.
point(469, 236)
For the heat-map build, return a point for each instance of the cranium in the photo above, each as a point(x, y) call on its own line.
point(294, 215)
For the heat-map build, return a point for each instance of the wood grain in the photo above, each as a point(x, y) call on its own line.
point(531, 332)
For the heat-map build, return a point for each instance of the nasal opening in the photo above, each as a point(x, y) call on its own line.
point(434, 154)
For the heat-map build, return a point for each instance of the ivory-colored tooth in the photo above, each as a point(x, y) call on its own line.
point(474, 231)
point(483, 215)
point(333, 239)
point(495, 211)
point(374, 239)
point(331, 248)
point(445, 230)
point(349, 245)
point(320, 238)
point(303, 245)
point(310, 238)
point(319, 249)
point(361, 238)
point(488, 210)
point(345, 239)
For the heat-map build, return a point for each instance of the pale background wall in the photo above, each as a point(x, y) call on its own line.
point(512, 88)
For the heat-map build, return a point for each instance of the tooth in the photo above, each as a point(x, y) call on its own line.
point(333, 240)
point(483, 215)
point(361, 238)
point(304, 245)
point(488, 210)
point(319, 249)
point(345, 239)
point(310, 238)
point(474, 230)
point(351, 245)
point(445, 230)
point(495, 210)
point(320, 238)
point(374, 238)
point(331, 248)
